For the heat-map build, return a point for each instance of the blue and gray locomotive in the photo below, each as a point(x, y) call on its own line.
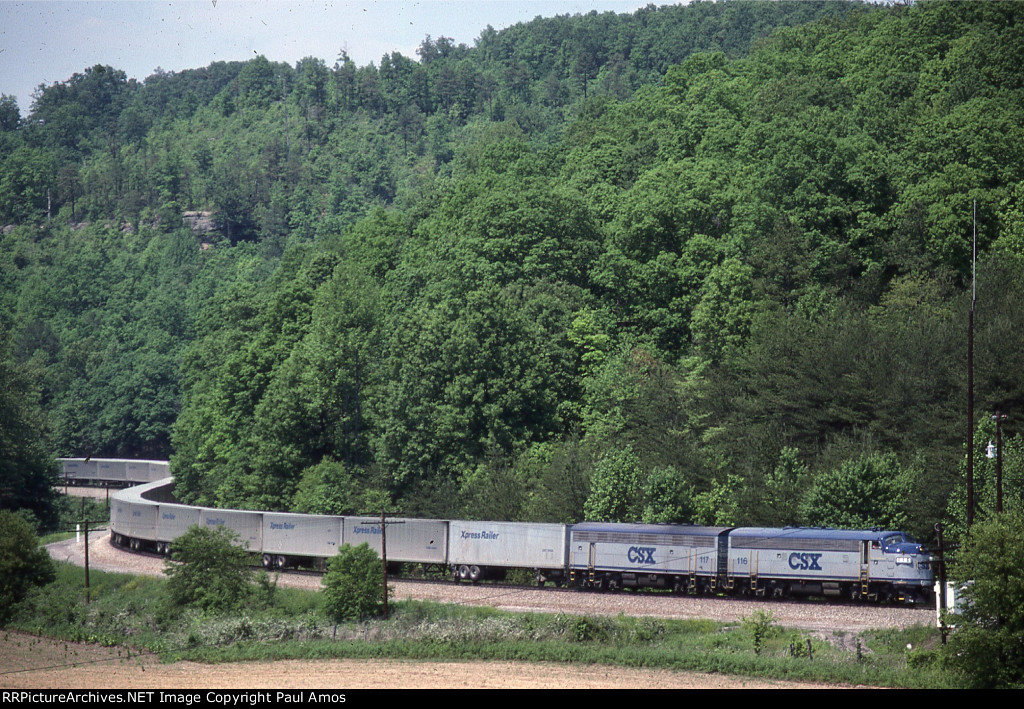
point(869, 564)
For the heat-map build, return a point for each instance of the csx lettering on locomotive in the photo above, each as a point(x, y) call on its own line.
point(641, 555)
point(805, 562)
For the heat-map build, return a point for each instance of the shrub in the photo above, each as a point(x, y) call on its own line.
point(582, 628)
point(759, 624)
point(352, 584)
point(987, 645)
point(208, 570)
point(23, 563)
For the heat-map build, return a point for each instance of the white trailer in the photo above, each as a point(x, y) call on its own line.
point(247, 525)
point(289, 539)
point(79, 469)
point(416, 541)
point(480, 549)
point(175, 519)
point(135, 520)
point(112, 470)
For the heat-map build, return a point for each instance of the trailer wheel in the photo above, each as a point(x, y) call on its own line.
point(268, 561)
point(475, 572)
point(464, 572)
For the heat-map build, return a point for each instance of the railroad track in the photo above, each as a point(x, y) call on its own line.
point(824, 619)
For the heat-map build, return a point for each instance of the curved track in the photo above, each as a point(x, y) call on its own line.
point(825, 619)
point(137, 508)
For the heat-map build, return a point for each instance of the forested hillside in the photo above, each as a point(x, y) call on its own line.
point(707, 263)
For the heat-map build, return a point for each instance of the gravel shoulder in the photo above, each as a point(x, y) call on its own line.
point(815, 617)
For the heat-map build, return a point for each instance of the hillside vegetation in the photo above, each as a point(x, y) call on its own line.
point(707, 263)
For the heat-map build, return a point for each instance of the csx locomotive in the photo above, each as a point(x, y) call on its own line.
point(869, 564)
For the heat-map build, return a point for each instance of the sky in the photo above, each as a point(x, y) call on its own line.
point(42, 41)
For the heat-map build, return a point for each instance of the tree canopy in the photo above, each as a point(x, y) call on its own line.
point(23, 562)
point(986, 647)
point(208, 570)
point(352, 584)
point(727, 241)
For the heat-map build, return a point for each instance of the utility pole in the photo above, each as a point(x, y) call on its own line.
point(384, 558)
point(941, 562)
point(85, 530)
point(970, 374)
point(384, 554)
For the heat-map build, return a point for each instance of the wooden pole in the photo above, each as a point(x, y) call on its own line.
point(384, 558)
point(86, 525)
point(970, 374)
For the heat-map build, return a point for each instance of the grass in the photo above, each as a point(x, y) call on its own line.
point(286, 623)
point(70, 510)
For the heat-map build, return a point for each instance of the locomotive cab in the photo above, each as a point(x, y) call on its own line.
point(901, 558)
point(869, 564)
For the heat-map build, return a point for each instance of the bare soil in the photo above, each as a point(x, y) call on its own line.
point(28, 662)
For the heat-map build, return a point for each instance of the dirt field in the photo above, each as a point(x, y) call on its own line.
point(27, 662)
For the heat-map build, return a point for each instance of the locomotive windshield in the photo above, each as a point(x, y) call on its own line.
point(892, 540)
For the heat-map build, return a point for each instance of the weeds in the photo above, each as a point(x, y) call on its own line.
point(759, 624)
point(285, 623)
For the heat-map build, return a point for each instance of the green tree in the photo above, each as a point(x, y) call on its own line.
point(988, 644)
point(985, 487)
point(615, 488)
point(783, 488)
point(721, 320)
point(208, 570)
point(495, 489)
point(561, 471)
point(668, 497)
point(868, 491)
point(23, 563)
point(326, 488)
point(352, 585)
point(718, 506)
point(10, 114)
point(26, 179)
point(27, 466)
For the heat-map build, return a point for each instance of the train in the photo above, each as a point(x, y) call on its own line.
point(868, 565)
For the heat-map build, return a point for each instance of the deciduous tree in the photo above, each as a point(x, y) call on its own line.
point(352, 585)
point(208, 570)
point(23, 563)
point(988, 644)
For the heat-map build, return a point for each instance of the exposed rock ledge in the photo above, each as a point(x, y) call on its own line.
point(199, 222)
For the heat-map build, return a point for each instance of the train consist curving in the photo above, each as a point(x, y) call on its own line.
point(770, 562)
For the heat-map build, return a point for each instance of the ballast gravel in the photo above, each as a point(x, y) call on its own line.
point(822, 618)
